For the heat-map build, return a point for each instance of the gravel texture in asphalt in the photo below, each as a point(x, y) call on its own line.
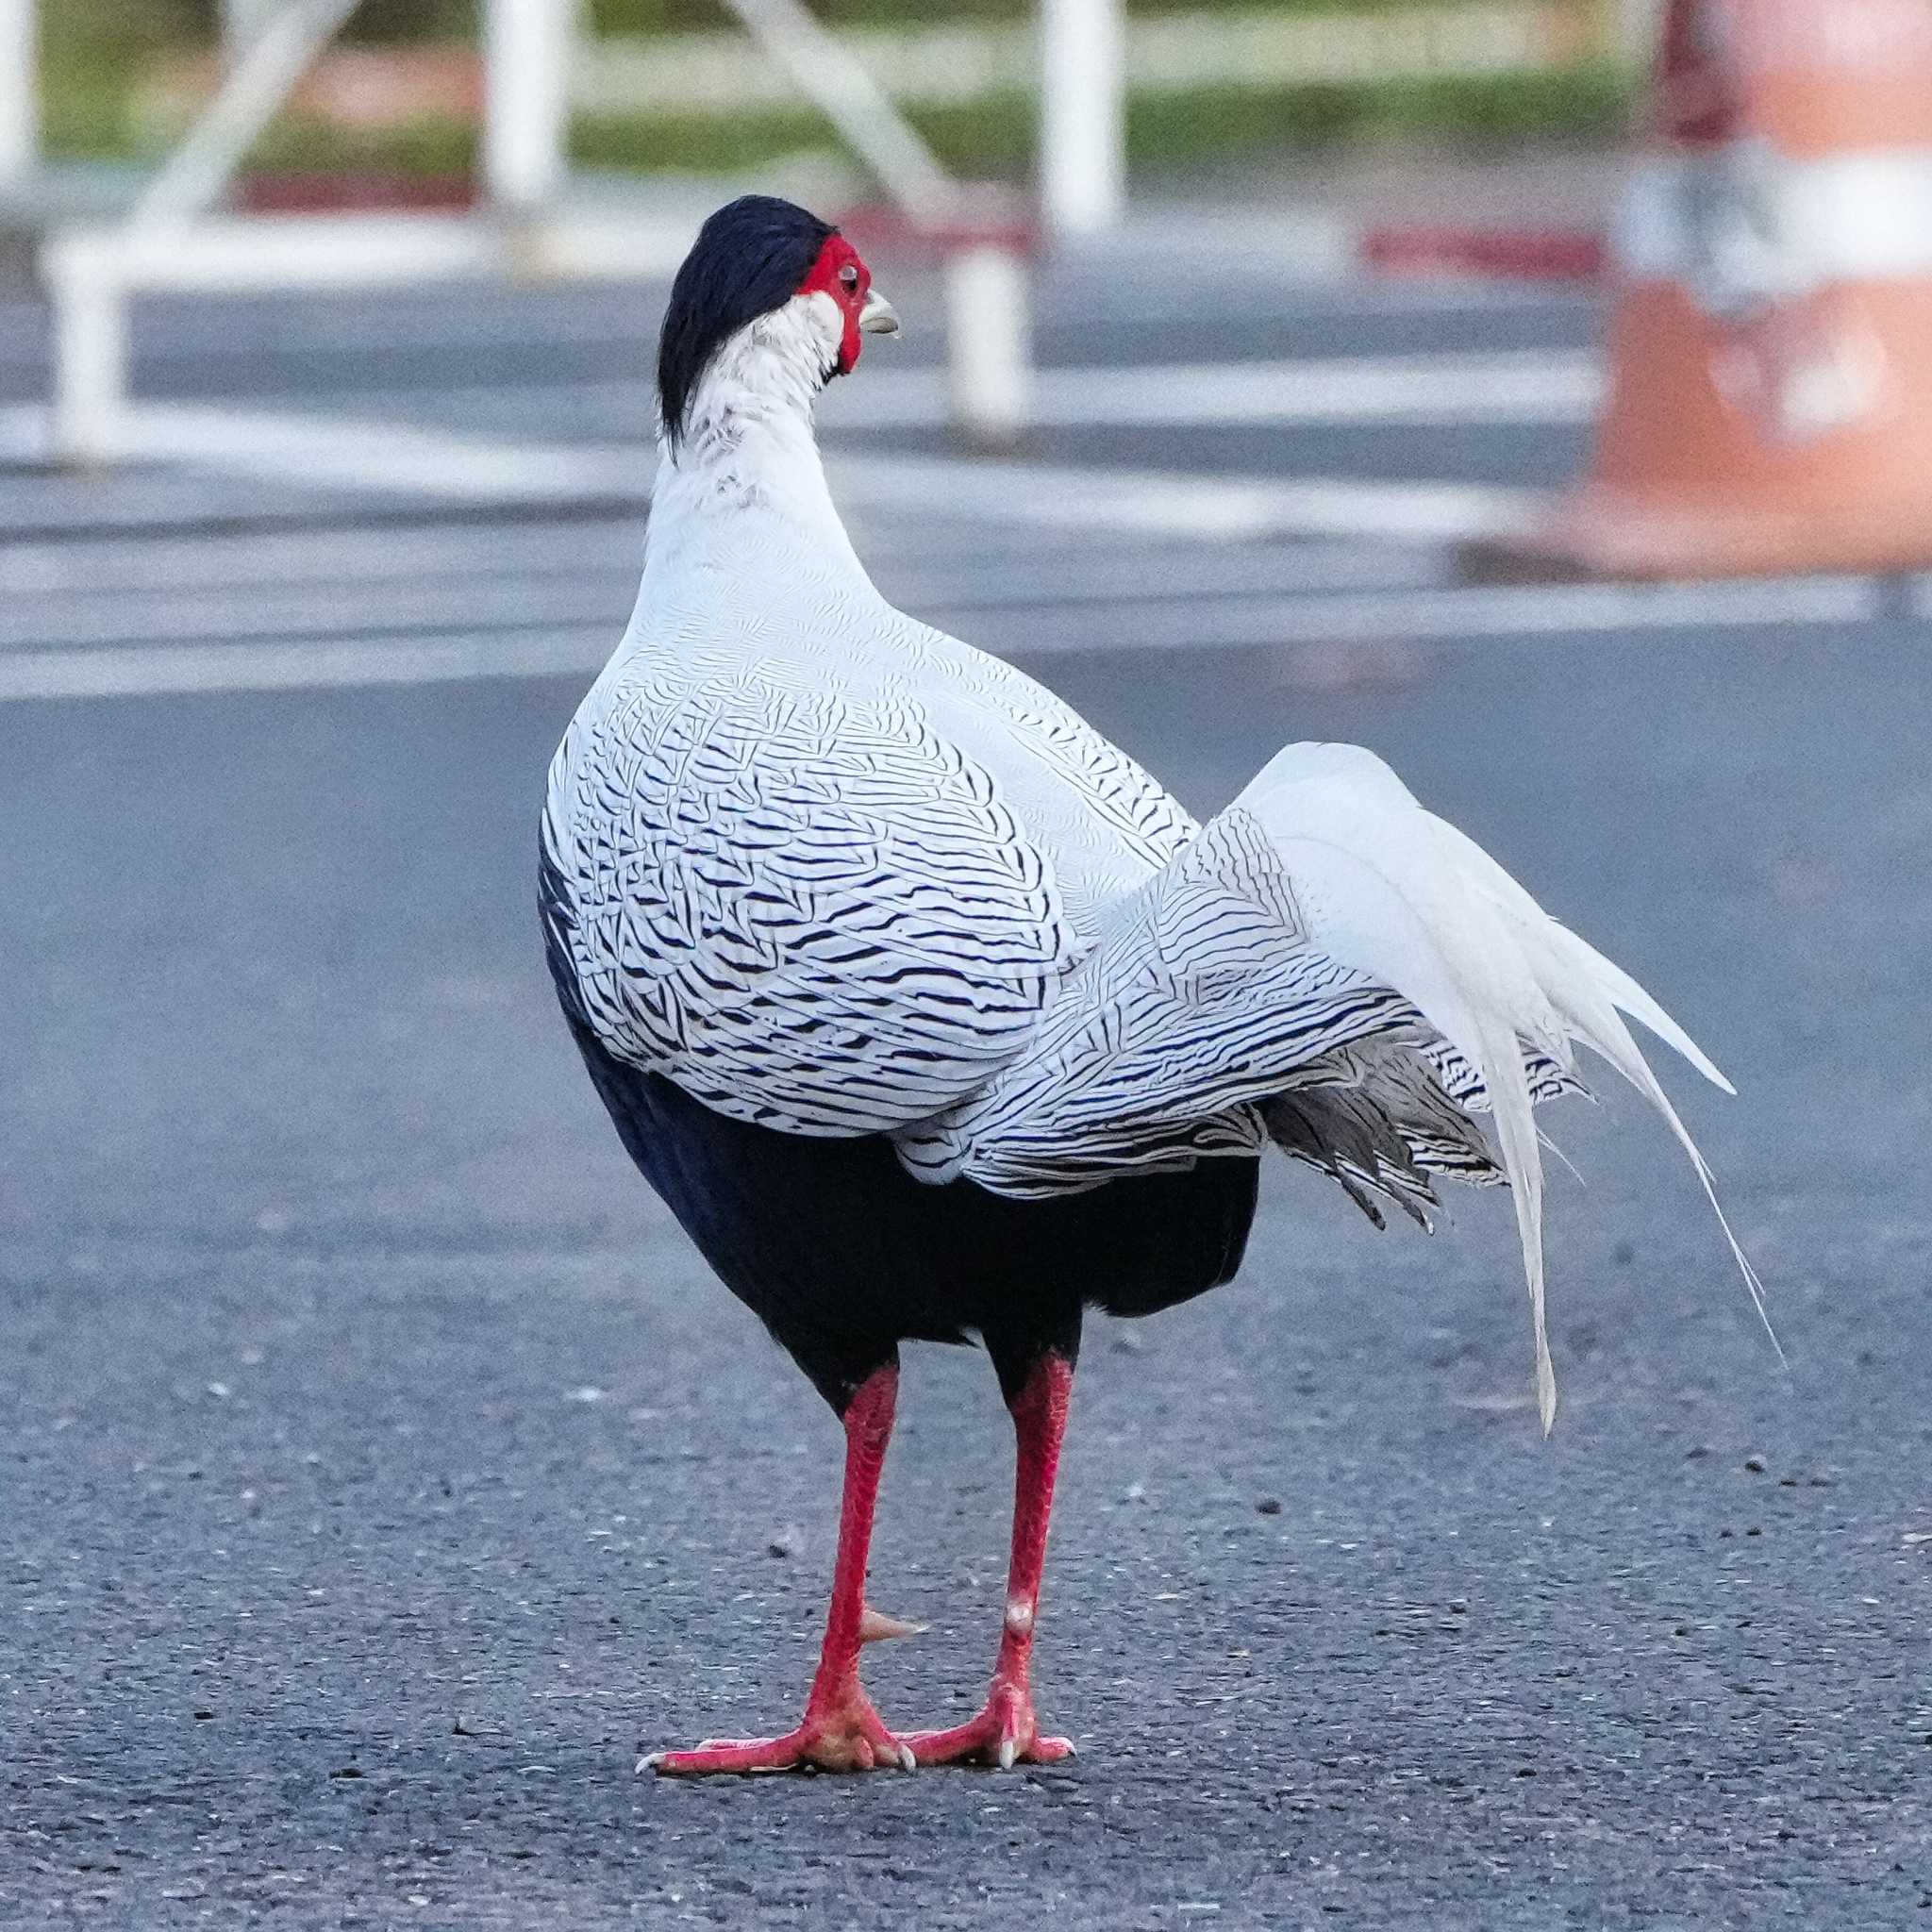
point(383, 1469)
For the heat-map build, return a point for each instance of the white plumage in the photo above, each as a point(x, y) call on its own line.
point(835, 872)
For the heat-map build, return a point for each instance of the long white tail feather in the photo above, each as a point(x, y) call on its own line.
point(1576, 959)
point(1328, 966)
point(1561, 1158)
point(1630, 1063)
point(1397, 893)
point(1595, 989)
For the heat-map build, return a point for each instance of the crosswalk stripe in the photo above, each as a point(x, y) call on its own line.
point(1576, 612)
point(388, 457)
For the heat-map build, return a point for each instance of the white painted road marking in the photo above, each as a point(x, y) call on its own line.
point(1539, 610)
point(1179, 504)
point(176, 670)
point(1085, 297)
point(1527, 386)
point(294, 445)
point(1518, 386)
point(349, 454)
point(564, 589)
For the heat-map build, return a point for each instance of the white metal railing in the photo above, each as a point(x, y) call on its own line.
point(265, 67)
point(1083, 128)
point(241, 20)
point(90, 271)
point(856, 105)
point(20, 136)
point(1081, 77)
point(171, 239)
point(526, 48)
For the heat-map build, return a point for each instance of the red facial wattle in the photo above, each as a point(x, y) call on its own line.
point(827, 277)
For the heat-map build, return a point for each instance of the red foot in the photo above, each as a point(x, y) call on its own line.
point(1006, 1733)
point(853, 1740)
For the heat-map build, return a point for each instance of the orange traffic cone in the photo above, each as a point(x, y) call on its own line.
point(1770, 360)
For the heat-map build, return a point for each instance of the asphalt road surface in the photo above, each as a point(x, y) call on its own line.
point(383, 1469)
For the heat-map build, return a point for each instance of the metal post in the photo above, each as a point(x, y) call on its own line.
point(19, 132)
point(241, 20)
point(854, 102)
point(190, 181)
point(1083, 146)
point(526, 51)
point(989, 344)
point(89, 315)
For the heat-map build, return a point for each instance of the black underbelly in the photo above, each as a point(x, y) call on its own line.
point(844, 1255)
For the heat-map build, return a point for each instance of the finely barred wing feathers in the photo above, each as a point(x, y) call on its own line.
point(1200, 997)
point(806, 907)
point(1375, 1118)
point(1331, 966)
point(1102, 805)
point(1384, 1117)
point(1120, 800)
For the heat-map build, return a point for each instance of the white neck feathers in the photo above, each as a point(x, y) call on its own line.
point(747, 449)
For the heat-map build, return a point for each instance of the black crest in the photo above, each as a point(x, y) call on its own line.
point(748, 260)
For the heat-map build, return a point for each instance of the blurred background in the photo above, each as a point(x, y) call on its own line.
point(1361, 133)
point(670, 84)
point(1537, 392)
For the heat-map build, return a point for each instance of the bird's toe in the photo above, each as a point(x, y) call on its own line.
point(1005, 1733)
point(853, 1740)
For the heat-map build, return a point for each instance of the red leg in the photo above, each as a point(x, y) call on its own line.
point(1007, 1732)
point(840, 1731)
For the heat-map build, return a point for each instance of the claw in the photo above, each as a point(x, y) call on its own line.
point(1005, 1733)
point(875, 1627)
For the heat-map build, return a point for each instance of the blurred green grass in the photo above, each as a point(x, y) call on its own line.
point(995, 136)
point(95, 53)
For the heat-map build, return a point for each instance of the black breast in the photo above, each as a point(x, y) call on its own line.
point(844, 1255)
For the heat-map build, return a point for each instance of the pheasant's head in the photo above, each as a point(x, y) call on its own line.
point(784, 293)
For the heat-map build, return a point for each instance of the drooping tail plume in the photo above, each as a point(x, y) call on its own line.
point(1331, 965)
point(1405, 898)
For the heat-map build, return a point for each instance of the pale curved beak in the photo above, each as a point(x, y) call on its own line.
point(879, 316)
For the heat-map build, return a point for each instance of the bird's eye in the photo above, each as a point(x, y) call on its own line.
point(849, 275)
